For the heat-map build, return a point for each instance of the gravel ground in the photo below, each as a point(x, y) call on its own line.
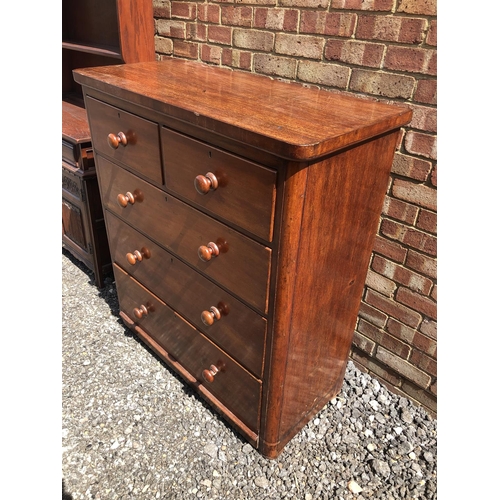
point(131, 429)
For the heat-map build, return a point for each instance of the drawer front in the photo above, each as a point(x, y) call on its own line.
point(232, 385)
point(242, 266)
point(242, 192)
point(142, 150)
point(234, 327)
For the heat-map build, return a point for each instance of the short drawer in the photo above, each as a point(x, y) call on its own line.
point(242, 265)
point(232, 385)
point(233, 326)
point(239, 190)
point(140, 151)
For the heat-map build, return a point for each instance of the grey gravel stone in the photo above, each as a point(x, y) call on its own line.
point(132, 429)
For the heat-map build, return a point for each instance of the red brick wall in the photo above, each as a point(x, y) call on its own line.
point(385, 49)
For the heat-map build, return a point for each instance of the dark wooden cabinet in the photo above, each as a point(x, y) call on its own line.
point(94, 33)
point(241, 213)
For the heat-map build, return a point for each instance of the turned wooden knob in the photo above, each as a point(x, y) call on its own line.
point(204, 183)
point(115, 140)
point(141, 311)
point(210, 373)
point(211, 316)
point(125, 199)
point(205, 253)
point(138, 255)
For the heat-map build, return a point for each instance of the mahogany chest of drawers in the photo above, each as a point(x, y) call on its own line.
point(241, 213)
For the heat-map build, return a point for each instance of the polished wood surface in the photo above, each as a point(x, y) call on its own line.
point(141, 149)
point(244, 194)
point(313, 164)
point(212, 98)
point(233, 385)
point(242, 265)
point(239, 330)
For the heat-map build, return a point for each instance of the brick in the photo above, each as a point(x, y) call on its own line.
point(380, 283)
point(188, 50)
point(372, 315)
point(417, 302)
point(411, 59)
point(363, 343)
point(299, 45)
point(328, 23)
point(421, 144)
point(404, 368)
point(425, 344)
point(382, 84)
point(209, 13)
point(236, 16)
point(381, 338)
point(432, 34)
point(390, 249)
point(401, 331)
point(164, 45)
point(183, 10)
point(220, 34)
point(434, 293)
point(427, 221)
point(418, 194)
point(237, 58)
point(425, 363)
point(313, 4)
point(392, 308)
point(400, 210)
point(323, 74)
point(429, 328)
point(422, 264)
point(376, 5)
point(269, 64)
point(401, 275)
point(424, 118)
point(276, 19)
point(391, 28)
point(426, 92)
point(411, 167)
point(354, 52)
point(421, 7)
point(434, 180)
point(383, 372)
point(196, 31)
point(173, 29)
point(420, 396)
point(161, 9)
point(253, 39)
point(211, 54)
point(418, 240)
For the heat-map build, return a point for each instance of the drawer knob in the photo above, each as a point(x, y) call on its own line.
point(211, 372)
point(205, 253)
point(138, 255)
point(115, 140)
point(141, 311)
point(205, 183)
point(211, 316)
point(125, 199)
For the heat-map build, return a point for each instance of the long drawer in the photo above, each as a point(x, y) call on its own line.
point(239, 190)
point(232, 325)
point(242, 265)
point(138, 147)
point(237, 389)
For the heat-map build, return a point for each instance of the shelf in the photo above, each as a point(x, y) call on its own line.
point(101, 50)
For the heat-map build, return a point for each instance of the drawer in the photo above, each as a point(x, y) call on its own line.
point(232, 385)
point(233, 326)
point(242, 265)
point(141, 152)
point(240, 191)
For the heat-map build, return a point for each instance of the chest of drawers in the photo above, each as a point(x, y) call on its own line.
point(241, 213)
